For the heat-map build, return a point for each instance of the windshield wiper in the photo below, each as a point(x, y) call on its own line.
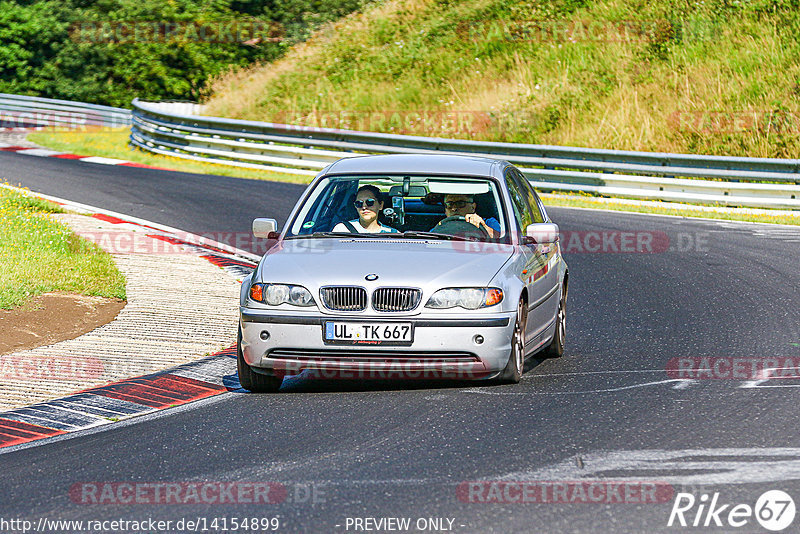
point(321, 234)
point(382, 235)
point(340, 234)
point(434, 235)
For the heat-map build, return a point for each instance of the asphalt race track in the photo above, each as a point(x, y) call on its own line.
point(342, 451)
point(192, 202)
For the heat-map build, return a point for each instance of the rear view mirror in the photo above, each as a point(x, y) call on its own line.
point(541, 233)
point(264, 227)
point(433, 199)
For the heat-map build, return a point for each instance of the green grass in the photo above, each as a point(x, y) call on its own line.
point(689, 82)
point(585, 201)
point(40, 255)
point(114, 144)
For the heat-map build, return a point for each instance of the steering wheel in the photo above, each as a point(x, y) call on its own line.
point(458, 225)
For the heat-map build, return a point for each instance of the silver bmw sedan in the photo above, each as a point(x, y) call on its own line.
point(404, 267)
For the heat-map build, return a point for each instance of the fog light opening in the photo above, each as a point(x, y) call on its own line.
point(264, 335)
point(478, 339)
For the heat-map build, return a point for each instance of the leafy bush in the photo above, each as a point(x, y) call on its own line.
point(80, 50)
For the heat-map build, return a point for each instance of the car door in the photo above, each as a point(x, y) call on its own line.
point(542, 277)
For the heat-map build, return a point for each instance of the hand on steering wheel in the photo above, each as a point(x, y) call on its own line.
point(458, 225)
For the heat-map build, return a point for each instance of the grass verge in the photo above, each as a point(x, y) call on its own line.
point(39, 255)
point(114, 144)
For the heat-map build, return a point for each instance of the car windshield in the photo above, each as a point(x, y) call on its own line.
point(403, 206)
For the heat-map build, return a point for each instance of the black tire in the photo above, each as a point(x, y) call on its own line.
point(556, 347)
point(249, 379)
point(512, 373)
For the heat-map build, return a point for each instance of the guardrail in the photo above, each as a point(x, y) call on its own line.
point(29, 112)
point(177, 130)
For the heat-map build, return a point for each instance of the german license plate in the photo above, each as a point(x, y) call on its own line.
point(349, 333)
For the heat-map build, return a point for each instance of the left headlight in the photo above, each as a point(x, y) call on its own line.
point(470, 298)
point(277, 294)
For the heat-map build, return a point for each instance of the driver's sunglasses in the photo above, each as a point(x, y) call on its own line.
point(360, 203)
point(456, 204)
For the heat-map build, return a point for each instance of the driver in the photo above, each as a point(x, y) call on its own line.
point(464, 206)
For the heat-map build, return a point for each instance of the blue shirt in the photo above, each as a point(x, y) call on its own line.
point(493, 223)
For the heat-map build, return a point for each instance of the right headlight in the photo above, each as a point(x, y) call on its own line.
point(470, 298)
point(277, 294)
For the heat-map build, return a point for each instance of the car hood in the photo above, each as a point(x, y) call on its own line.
point(396, 261)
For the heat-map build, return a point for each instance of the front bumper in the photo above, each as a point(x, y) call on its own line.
point(443, 347)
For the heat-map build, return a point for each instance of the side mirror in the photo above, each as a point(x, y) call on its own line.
point(541, 233)
point(264, 227)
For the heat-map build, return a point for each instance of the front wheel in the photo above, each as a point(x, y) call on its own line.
point(556, 347)
point(512, 373)
point(249, 379)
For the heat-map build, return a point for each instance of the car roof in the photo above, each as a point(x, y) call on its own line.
point(415, 164)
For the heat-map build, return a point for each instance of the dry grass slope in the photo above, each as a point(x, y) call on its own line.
point(713, 77)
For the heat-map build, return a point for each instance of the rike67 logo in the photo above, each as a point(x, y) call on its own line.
point(774, 510)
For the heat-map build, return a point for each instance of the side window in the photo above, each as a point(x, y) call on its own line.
point(539, 203)
point(329, 207)
point(533, 199)
point(519, 202)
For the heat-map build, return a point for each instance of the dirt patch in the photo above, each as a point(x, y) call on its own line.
point(54, 317)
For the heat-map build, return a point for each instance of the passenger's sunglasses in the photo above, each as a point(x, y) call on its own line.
point(360, 203)
point(456, 204)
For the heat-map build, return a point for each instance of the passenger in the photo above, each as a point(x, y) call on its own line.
point(369, 206)
point(464, 205)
